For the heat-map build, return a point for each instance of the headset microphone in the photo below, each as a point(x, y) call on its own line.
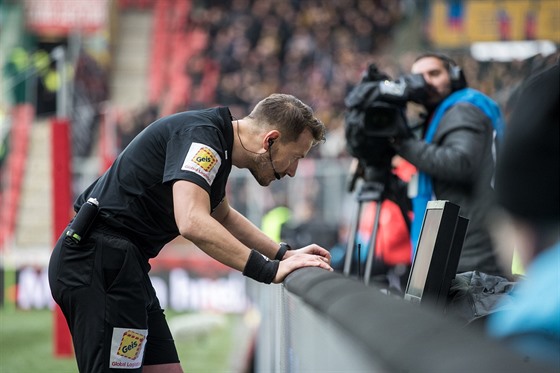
point(276, 174)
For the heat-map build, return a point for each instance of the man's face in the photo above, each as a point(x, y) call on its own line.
point(437, 77)
point(285, 159)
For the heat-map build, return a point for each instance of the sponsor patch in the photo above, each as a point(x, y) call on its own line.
point(127, 348)
point(202, 160)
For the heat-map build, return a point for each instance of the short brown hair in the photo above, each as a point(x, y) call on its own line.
point(289, 115)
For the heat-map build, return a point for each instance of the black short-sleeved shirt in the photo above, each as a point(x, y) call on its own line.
point(135, 195)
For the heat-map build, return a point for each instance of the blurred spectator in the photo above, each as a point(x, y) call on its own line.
point(131, 124)
point(306, 226)
point(90, 92)
point(528, 192)
point(17, 68)
point(273, 221)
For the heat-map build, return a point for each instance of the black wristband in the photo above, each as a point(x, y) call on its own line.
point(260, 268)
point(282, 251)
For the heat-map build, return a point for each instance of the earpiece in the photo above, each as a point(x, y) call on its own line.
point(270, 142)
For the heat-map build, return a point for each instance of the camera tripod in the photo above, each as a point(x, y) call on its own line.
point(372, 189)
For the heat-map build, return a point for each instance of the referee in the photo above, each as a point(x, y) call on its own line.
point(171, 181)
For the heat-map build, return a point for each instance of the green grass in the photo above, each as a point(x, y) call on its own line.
point(26, 345)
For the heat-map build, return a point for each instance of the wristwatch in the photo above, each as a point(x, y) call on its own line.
point(283, 248)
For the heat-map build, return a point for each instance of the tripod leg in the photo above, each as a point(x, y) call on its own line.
point(372, 243)
point(352, 240)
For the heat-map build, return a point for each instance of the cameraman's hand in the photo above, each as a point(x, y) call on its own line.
point(404, 134)
point(309, 256)
point(372, 74)
point(396, 142)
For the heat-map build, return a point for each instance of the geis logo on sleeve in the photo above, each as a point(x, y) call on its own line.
point(202, 160)
point(127, 348)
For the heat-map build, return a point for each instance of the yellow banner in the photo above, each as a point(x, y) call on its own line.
point(456, 23)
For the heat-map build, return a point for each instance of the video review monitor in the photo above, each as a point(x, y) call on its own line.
point(437, 255)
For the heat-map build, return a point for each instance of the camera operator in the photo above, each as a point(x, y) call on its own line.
point(455, 156)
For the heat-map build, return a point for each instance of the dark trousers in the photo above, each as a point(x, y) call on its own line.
point(104, 291)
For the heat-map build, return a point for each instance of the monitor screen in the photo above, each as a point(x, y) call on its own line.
point(437, 253)
point(426, 245)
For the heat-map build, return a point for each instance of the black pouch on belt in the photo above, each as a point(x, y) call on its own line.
point(83, 220)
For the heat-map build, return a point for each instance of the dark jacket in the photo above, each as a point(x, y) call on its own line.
point(461, 165)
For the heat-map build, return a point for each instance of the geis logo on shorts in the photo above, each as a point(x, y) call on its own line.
point(202, 160)
point(127, 348)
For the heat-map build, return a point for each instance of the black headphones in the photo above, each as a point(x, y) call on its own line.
point(458, 80)
point(270, 142)
point(456, 74)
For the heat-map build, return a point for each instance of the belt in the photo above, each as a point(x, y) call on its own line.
point(101, 227)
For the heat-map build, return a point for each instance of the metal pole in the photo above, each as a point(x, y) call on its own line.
point(59, 55)
point(352, 239)
point(373, 243)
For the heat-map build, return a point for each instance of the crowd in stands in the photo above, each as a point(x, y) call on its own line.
point(316, 50)
point(312, 49)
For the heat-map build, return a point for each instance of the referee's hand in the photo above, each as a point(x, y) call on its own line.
point(308, 256)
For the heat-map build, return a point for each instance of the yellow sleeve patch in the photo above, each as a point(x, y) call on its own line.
point(202, 160)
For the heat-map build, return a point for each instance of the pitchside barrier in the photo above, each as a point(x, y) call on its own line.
point(320, 321)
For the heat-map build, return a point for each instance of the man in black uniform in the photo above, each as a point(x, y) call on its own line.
point(171, 181)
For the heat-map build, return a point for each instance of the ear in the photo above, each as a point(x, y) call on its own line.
point(270, 138)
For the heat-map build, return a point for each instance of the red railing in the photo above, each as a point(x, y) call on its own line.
point(13, 174)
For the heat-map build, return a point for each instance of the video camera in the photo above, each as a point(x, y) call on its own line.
point(376, 113)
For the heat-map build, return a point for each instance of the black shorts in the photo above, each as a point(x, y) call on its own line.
point(104, 291)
